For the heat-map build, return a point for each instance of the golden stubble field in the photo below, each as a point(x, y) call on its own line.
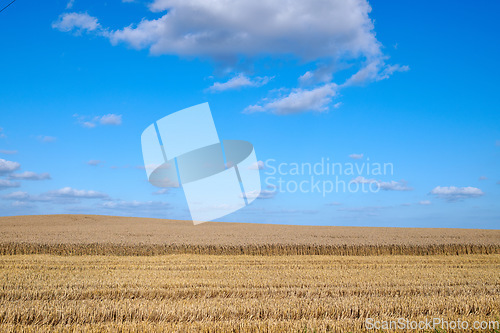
point(49, 283)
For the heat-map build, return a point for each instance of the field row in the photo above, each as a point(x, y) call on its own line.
point(261, 250)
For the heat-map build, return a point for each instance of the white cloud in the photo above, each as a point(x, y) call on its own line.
point(111, 119)
point(335, 203)
point(483, 178)
point(453, 193)
point(239, 81)
point(259, 165)
point(68, 192)
point(91, 122)
point(70, 4)
point(424, 202)
point(8, 184)
point(94, 162)
point(22, 204)
point(161, 191)
point(376, 70)
point(394, 186)
point(356, 156)
point(136, 206)
point(46, 138)
point(78, 22)
point(299, 100)
point(363, 180)
point(322, 74)
point(19, 196)
point(388, 70)
point(8, 166)
point(386, 186)
point(65, 195)
point(30, 175)
point(8, 152)
point(2, 135)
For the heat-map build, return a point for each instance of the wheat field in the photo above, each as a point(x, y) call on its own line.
point(55, 280)
point(91, 234)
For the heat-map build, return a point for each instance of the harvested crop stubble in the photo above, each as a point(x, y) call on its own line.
point(261, 250)
point(209, 293)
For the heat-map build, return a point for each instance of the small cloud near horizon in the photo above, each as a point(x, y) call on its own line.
point(386, 186)
point(454, 193)
point(30, 175)
point(69, 192)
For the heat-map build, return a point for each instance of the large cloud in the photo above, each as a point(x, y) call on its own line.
point(326, 31)
point(226, 28)
point(221, 28)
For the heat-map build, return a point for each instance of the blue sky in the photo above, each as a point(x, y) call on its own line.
point(413, 84)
